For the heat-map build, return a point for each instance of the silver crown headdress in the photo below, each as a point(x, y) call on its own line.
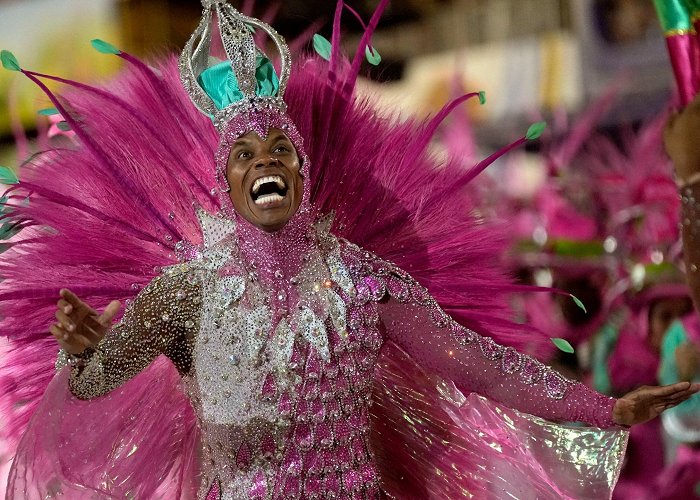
point(237, 34)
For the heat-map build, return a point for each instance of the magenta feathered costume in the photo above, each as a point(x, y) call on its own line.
point(293, 364)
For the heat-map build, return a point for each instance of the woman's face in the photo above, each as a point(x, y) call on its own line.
point(265, 179)
point(662, 313)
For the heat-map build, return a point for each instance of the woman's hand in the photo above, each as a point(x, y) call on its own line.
point(682, 141)
point(647, 402)
point(78, 325)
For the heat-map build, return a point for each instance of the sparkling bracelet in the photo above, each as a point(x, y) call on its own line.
point(78, 360)
point(74, 361)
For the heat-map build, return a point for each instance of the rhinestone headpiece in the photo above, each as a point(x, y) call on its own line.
point(237, 34)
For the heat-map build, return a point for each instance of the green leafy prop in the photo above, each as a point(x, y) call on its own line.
point(11, 226)
point(578, 302)
point(9, 61)
point(47, 112)
point(104, 48)
point(7, 176)
point(535, 130)
point(373, 57)
point(322, 46)
point(563, 345)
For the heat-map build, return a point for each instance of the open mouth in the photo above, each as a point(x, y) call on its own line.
point(267, 190)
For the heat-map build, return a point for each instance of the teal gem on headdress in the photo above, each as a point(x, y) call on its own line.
point(221, 85)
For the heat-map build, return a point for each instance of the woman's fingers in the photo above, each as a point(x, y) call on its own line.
point(74, 315)
point(680, 397)
point(668, 390)
point(58, 332)
point(65, 306)
point(81, 341)
point(689, 390)
point(663, 401)
point(75, 301)
point(78, 325)
point(98, 326)
point(65, 321)
point(70, 297)
point(94, 329)
point(686, 393)
point(110, 312)
point(70, 342)
point(647, 402)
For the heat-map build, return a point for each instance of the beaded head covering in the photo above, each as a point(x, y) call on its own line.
point(243, 93)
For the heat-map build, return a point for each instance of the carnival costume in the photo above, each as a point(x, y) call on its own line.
point(296, 363)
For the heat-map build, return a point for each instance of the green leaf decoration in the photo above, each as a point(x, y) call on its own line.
point(63, 126)
point(104, 47)
point(322, 47)
point(373, 57)
point(578, 302)
point(563, 345)
point(9, 229)
point(9, 61)
point(47, 112)
point(482, 97)
point(535, 130)
point(8, 176)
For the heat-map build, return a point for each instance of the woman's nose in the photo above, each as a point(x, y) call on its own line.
point(266, 161)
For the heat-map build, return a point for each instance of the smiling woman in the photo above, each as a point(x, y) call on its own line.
point(264, 178)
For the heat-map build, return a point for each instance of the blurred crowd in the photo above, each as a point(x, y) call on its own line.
point(593, 219)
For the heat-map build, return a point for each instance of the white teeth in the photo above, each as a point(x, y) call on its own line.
point(268, 198)
point(264, 180)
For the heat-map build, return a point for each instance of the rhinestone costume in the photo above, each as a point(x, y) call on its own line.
point(283, 402)
point(277, 335)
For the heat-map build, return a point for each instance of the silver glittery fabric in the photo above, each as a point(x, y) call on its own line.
point(282, 394)
point(163, 320)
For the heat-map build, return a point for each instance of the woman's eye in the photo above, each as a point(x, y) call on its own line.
point(243, 155)
point(281, 149)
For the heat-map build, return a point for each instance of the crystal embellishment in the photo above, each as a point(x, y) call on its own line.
point(236, 33)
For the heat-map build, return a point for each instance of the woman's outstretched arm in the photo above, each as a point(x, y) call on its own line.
point(162, 320)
